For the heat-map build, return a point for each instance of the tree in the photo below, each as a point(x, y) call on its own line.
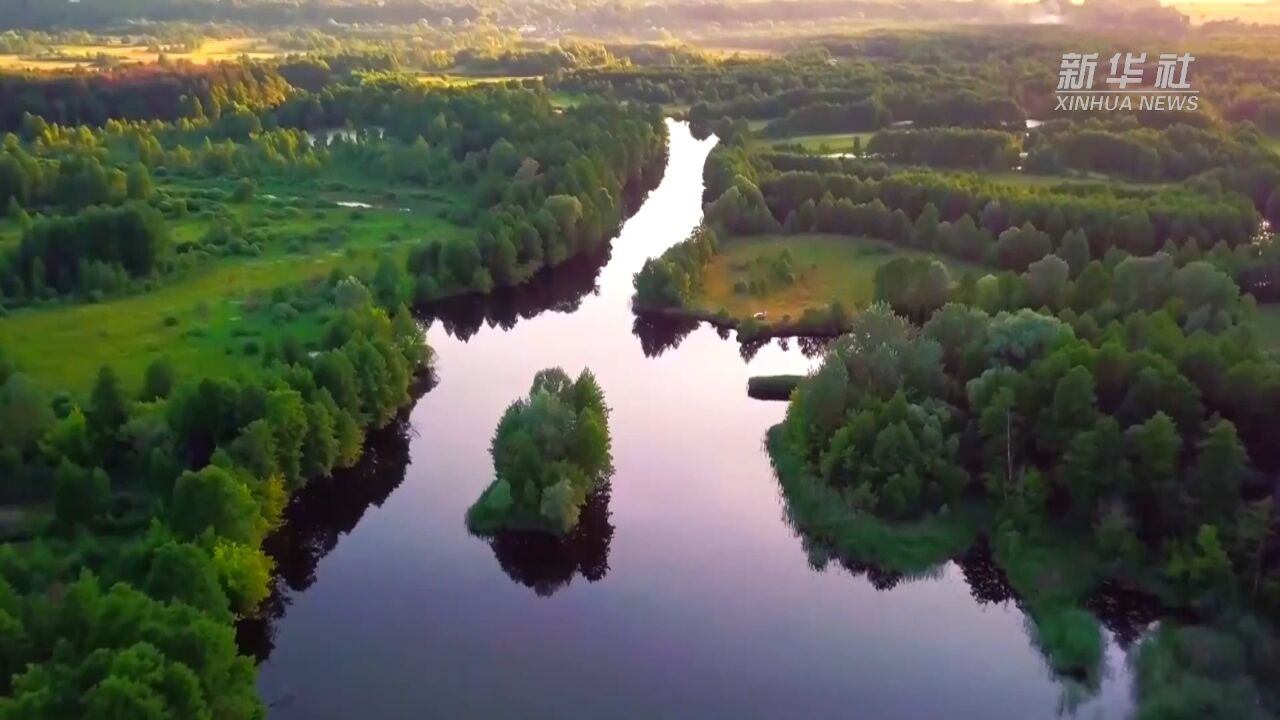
point(560, 506)
point(1075, 251)
point(1155, 447)
point(1017, 248)
point(1073, 411)
point(1047, 281)
point(108, 409)
point(1095, 466)
point(214, 500)
point(1203, 569)
point(244, 191)
point(183, 572)
point(139, 183)
point(25, 414)
point(80, 495)
point(287, 416)
point(388, 283)
point(1218, 475)
point(1092, 288)
point(245, 575)
point(158, 381)
point(1117, 537)
point(320, 447)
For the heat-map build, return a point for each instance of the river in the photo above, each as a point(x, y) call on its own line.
point(685, 594)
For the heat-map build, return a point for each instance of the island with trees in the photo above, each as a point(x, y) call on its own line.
point(551, 451)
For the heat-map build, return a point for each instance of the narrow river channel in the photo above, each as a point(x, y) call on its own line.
point(684, 595)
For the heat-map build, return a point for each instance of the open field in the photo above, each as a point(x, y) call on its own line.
point(832, 143)
point(64, 57)
point(827, 267)
point(204, 318)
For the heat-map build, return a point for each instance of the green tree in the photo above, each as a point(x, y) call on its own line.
point(214, 500)
point(25, 414)
point(108, 408)
point(320, 447)
point(80, 496)
point(158, 381)
point(287, 415)
point(1217, 478)
point(139, 183)
point(1074, 410)
point(184, 572)
point(1075, 251)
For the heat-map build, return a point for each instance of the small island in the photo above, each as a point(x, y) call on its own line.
point(551, 451)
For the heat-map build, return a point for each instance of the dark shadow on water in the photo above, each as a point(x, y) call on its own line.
point(547, 563)
point(319, 516)
point(1126, 613)
point(660, 333)
point(986, 580)
point(560, 289)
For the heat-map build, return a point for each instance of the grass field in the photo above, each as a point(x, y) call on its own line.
point(1269, 326)
point(202, 319)
point(828, 267)
point(63, 57)
point(833, 143)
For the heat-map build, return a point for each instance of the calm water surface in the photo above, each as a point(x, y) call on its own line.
point(684, 594)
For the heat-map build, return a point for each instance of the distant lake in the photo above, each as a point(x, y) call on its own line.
point(684, 594)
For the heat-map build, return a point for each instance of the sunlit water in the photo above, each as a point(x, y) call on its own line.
point(707, 606)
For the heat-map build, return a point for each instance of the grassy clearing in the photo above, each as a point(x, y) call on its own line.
point(1268, 324)
point(202, 320)
point(63, 57)
point(832, 143)
point(827, 268)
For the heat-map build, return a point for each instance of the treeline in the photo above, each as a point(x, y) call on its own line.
point(809, 92)
point(59, 167)
point(1173, 153)
point(947, 147)
point(1135, 222)
point(551, 451)
point(97, 250)
point(822, 118)
point(1196, 296)
point(142, 93)
point(160, 500)
point(671, 279)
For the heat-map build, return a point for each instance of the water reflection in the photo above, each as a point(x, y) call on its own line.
point(660, 333)
point(560, 289)
point(548, 563)
point(319, 516)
